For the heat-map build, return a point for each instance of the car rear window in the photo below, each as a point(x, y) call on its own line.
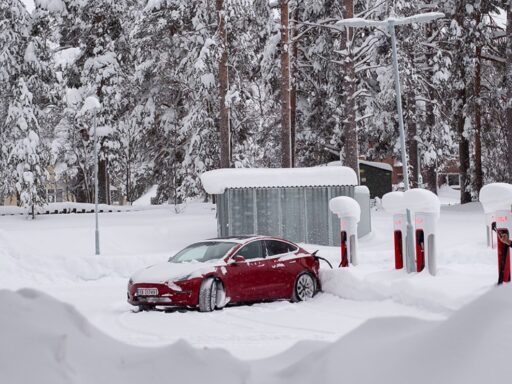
point(275, 247)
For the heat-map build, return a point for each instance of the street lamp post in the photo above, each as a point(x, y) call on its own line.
point(97, 229)
point(93, 104)
point(390, 24)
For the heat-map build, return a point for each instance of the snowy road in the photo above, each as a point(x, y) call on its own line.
point(248, 332)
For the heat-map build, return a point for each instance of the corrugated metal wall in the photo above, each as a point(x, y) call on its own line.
point(300, 214)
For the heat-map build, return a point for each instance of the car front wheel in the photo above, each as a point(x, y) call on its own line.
point(210, 293)
point(305, 287)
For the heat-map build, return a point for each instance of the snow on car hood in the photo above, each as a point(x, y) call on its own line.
point(163, 272)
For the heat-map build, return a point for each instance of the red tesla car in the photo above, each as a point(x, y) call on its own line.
point(212, 273)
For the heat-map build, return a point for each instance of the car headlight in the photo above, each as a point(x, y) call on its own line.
point(172, 285)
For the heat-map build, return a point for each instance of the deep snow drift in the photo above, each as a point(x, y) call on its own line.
point(60, 346)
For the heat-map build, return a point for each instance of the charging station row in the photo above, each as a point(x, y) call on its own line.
point(421, 209)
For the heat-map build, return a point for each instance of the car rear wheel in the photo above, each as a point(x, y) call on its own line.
point(305, 287)
point(211, 295)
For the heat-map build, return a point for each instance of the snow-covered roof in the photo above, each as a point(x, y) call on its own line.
point(344, 206)
point(217, 181)
point(496, 197)
point(416, 200)
point(377, 164)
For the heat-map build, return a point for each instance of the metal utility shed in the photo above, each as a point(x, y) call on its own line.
point(377, 177)
point(290, 203)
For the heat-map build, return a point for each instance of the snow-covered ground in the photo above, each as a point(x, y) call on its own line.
point(54, 254)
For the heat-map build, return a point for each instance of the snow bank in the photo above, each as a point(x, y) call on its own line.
point(58, 345)
point(471, 347)
point(217, 181)
point(496, 197)
point(446, 292)
point(417, 200)
point(345, 206)
point(61, 346)
point(67, 207)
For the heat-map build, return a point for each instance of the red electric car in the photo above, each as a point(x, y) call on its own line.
point(212, 273)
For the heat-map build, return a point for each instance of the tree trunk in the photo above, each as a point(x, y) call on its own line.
point(103, 182)
point(465, 179)
point(412, 142)
point(293, 92)
point(479, 180)
point(464, 156)
point(286, 131)
point(349, 90)
point(430, 168)
point(509, 89)
point(224, 129)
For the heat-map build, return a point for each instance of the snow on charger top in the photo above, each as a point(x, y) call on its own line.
point(496, 197)
point(344, 206)
point(417, 200)
point(217, 181)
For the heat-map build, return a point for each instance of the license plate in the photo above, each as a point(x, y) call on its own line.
point(147, 291)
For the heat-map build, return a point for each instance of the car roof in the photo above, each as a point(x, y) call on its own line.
point(242, 239)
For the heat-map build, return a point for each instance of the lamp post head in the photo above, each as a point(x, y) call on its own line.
point(92, 104)
point(358, 22)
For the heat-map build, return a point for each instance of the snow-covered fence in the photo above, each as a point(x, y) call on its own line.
point(426, 208)
point(349, 213)
point(65, 208)
point(496, 199)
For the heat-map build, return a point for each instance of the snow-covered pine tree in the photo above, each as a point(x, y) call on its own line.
point(14, 30)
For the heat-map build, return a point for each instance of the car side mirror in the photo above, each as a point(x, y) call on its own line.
point(238, 259)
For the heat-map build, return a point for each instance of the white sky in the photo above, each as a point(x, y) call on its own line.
point(29, 4)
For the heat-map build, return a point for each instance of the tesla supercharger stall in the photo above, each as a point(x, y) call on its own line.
point(393, 202)
point(496, 199)
point(426, 207)
point(349, 212)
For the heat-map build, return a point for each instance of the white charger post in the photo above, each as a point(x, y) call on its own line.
point(349, 213)
point(393, 202)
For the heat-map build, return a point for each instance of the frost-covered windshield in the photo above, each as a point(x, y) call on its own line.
point(203, 252)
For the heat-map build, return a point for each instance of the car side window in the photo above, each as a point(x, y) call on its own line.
point(275, 247)
point(251, 251)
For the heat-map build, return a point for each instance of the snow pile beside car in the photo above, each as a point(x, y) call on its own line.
point(46, 341)
point(60, 346)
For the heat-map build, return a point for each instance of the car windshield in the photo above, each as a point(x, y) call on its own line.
point(203, 252)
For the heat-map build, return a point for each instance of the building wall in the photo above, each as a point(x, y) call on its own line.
point(378, 181)
point(299, 214)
